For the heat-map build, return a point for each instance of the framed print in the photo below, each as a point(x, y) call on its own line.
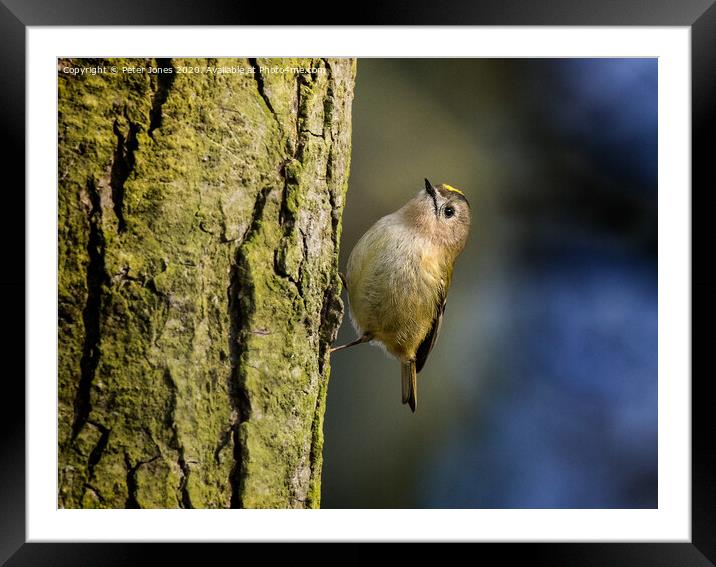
point(202, 210)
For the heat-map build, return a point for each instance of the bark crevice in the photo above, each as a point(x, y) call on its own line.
point(176, 442)
point(131, 480)
point(122, 167)
point(261, 87)
point(241, 306)
point(163, 85)
point(95, 278)
point(98, 450)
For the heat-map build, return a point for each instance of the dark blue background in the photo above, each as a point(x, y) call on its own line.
point(542, 390)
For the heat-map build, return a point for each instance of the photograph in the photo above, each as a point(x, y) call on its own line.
point(357, 283)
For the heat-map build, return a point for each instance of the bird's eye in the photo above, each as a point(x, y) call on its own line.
point(449, 211)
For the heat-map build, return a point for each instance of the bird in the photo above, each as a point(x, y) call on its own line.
point(398, 276)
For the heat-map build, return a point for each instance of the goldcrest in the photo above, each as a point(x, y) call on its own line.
point(398, 276)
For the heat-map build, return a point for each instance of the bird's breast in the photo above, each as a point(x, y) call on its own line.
point(394, 280)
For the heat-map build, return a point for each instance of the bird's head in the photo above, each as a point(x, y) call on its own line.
point(441, 213)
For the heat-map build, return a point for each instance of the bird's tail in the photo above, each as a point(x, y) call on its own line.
point(410, 384)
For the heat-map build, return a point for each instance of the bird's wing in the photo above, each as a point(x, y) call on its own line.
point(431, 338)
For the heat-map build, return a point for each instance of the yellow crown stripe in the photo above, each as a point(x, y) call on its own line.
point(453, 189)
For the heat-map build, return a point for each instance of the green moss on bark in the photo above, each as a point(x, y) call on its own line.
point(199, 221)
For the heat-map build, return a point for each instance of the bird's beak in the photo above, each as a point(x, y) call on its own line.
point(431, 191)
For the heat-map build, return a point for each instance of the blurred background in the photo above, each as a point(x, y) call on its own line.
point(542, 389)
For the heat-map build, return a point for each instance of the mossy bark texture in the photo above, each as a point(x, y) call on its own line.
point(199, 222)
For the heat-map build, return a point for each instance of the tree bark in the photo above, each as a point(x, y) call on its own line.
point(199, 218)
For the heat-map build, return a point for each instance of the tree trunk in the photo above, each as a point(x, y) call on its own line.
point(199, 222)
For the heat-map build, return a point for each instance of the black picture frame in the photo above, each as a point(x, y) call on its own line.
point(16, 15)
